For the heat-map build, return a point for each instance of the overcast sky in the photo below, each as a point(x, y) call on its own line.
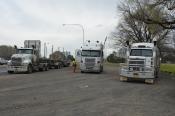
point(42, 20)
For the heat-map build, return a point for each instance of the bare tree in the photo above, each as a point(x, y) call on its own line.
point(167, 7)
point(135, 30)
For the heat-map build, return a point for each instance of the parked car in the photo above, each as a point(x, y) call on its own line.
point(3, 61)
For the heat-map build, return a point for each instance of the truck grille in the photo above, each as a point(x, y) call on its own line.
point(136, 64)
point(90, 62)
point(16, 61)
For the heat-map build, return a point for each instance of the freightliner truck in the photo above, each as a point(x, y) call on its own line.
point(142, 62)
point(27, 59)
point(92, 57)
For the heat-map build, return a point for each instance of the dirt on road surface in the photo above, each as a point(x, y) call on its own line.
point(64, 93)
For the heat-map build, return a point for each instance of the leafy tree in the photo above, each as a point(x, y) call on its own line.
point(57, 55)
point(114, 59)
point(70, 57)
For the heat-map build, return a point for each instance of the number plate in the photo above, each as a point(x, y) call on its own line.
point(88, 68)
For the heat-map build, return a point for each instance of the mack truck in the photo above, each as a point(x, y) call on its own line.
point(142, 62)
point(91, 57)
point(28, 58)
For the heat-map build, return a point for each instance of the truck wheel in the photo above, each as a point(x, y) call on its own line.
point(157, 74)
point(56, 67)
point(101, 70)
point(46, 68)
point(10, 72)
point(29, 69)
point(82, 71)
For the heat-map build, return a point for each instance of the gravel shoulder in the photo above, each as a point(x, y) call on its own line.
point(64, 93)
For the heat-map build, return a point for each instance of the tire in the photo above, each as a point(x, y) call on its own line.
point(29, 69)
point(40, 69)
point(10, 72)
point(101, 70)
point(56, 67)
point(157, 74)
point(82, 71)
point(46, 68)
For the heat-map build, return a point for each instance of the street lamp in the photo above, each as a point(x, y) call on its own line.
point(79, 26)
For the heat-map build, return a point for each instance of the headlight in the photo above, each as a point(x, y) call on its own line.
point(130, 68)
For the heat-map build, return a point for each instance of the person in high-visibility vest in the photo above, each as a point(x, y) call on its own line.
point(74, 64)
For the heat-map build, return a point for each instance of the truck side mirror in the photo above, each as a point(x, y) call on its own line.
point(127, 42)
point(155, 43)
point(33, 46)
point(15, 48)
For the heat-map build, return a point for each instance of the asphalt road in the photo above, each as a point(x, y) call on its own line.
point(3, 69)
point(64, 93)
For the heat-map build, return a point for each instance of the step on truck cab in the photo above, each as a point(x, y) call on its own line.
point(91, 57)
point(142, 62)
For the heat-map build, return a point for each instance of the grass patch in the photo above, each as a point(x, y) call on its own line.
point(168, 68)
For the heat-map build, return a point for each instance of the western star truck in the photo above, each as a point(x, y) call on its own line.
point(92, 57)
point(27, 59)
point(142, 62)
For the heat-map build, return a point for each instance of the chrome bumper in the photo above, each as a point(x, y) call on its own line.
point(90, 69)
point(17, 68)
point(137, 74)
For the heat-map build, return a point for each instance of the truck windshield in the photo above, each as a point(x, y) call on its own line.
point(25, 51)
point(141, 52)
point(91, 53)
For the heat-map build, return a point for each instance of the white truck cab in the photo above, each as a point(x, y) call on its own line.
point(21, 60)
point(27, 59)
point(142, 62)
point(92, 57)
